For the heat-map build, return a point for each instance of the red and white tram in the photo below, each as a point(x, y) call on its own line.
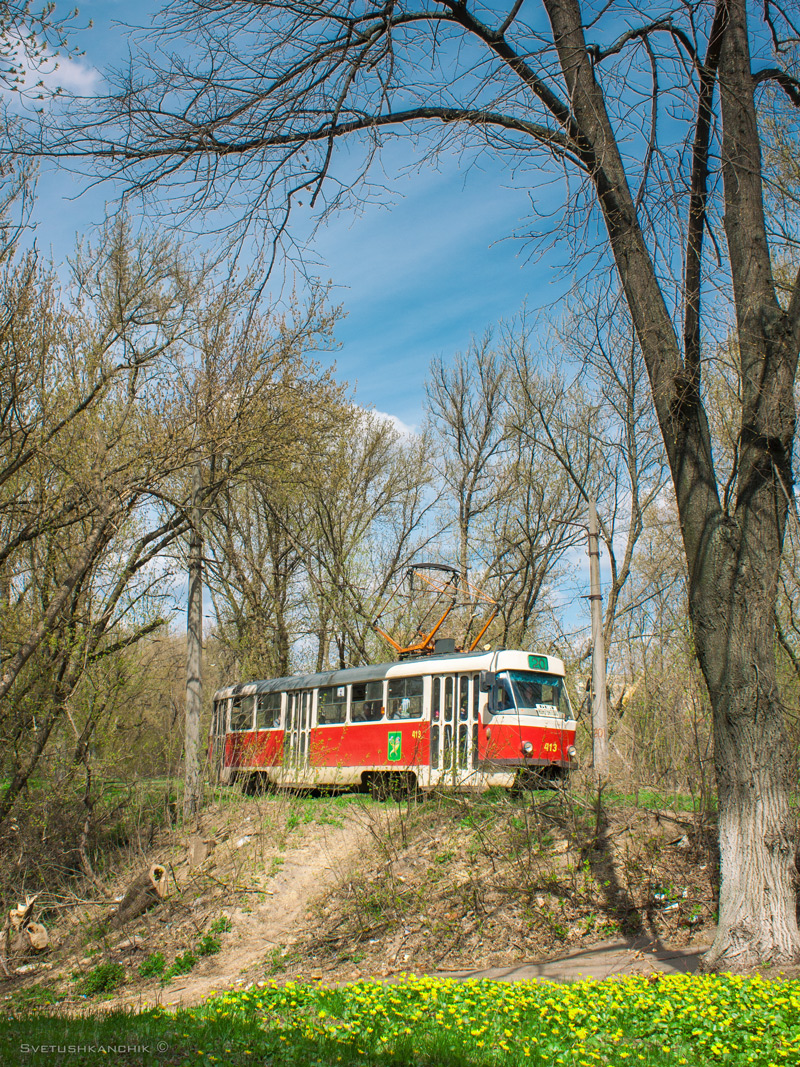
point(463, 720)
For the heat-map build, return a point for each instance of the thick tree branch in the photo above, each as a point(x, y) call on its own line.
point(698, 199)
point(790, 85)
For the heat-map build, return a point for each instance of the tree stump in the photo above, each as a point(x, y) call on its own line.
point(146, 891)
point(21, 936)
point(31, 938)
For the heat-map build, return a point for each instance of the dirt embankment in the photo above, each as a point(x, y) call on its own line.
point(339, 888)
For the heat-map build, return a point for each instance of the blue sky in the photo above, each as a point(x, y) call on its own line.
point(417, 277)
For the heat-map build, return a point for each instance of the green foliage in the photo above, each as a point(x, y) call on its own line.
point(221, 925)
point(153, 965)
point(208, 945)
point(36, 996)
point(104, 978)
point(181, 965)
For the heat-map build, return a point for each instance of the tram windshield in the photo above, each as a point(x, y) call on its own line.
point(532, 694)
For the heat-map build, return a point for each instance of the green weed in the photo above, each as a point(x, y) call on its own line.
point(104, 978)
point(153, 965)
point(181, 965)
point(208, 945)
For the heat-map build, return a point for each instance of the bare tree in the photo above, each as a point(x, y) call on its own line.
point(110, 393)
point(510, 508)
point(250, 370)
point(467, 400)
point(585, 402)
point(368, 512)
point(346, 517)
point(253, 115)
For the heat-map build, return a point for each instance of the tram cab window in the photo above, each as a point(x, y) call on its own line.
point(405, 698)
point(242, 713)
point(503, 697)
point(331, 705)
point(268, 715)
point(366, 702)
point(533, 694)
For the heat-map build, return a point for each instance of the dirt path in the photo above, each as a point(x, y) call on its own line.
point(306, 872)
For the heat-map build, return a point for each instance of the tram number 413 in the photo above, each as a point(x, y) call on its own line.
point(550, 746)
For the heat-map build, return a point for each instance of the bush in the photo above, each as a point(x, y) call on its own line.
point(104, 978)
point(181, 965)
point(153, 965)
point(208, 945)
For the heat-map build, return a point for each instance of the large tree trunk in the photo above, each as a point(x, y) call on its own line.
point(733, 626)
point(758, 896)
point(733, 557)
point(734, 587)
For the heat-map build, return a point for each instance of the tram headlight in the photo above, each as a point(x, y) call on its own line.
point(527, 747)
point(572, 752)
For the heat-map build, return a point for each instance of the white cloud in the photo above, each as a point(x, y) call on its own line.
point(55, 72)
point(73, 75)
point(402, 427)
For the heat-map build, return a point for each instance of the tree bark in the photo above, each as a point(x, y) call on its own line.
point(733, 558)
point(734, 616)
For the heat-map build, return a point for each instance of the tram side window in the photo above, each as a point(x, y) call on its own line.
point(366, 702)
point(405, 698)
point(331, 705)
point(268, 715)
point(504, 700)
point(242, 713)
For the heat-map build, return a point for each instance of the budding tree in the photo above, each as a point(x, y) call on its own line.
point(657, 130)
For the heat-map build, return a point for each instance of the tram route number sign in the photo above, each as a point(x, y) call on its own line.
point(395, 746)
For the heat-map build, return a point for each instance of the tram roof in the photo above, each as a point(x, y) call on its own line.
point(376, 672)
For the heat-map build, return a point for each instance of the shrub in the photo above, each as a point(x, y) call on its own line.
point(181, 965)
point(208, 945)
point(104, 978)
point(153, 965)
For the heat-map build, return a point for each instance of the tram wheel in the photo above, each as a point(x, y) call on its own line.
point(257, 784)
point(405, 787)
point(379, 786)
point(530, 779)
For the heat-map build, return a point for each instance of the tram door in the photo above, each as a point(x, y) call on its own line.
point(454, 725)
point(219, 725)
point(298, 721)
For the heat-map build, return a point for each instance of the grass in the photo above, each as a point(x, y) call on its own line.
point(661, 1021)
point(652, 798)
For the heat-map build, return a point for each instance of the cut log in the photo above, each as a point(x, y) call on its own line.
point(20, 915)
point(143, 893)
point(30, 938)
point(37, 936)
point(21, 936)
point(198, 851)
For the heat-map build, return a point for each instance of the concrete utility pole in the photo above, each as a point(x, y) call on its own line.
point(194, 653)
point(599, 716)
